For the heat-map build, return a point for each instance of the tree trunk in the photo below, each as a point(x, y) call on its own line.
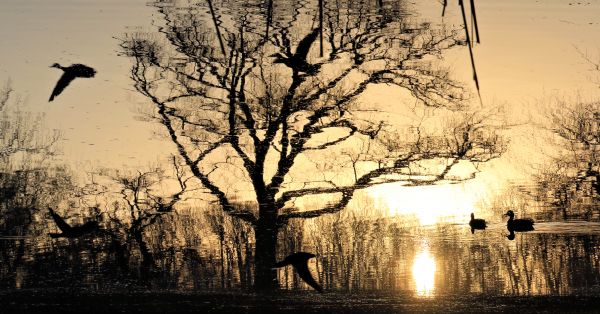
point(265, 276)
point(221, 240)
point(147, 257)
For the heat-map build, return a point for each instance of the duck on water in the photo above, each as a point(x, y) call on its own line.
point(523, 224)
point(477, 223)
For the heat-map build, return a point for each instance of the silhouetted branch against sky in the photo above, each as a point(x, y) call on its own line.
point(272, 103)
point(22, 132)
point(134, 200)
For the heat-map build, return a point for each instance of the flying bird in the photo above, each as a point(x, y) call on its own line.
point(513, 224)
point(70, 73)
point(478, 224)
point(297, 61)
point(68, 231)
point(299, 261)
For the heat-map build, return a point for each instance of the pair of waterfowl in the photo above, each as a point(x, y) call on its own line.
point(524, 224)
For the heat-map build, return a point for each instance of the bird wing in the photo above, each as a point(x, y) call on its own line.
point(62, 83)
point(283, 263)
point(305, 43)
point(83, 70)
point(62, 225)
point(304, 273)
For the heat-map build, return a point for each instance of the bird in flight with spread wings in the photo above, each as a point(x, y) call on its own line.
point(299, 261)
point(70, 73)
point(68, 231)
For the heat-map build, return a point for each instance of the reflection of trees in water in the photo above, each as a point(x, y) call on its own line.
point(355, 253)
point(533, 264)
point(235, 247)
point(571, 181)
point(534, 268)
point(239, 93)
point(28, 180)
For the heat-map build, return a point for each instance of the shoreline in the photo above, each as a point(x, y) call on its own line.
point(53, 301)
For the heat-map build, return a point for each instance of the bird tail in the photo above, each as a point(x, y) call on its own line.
point(51, 98)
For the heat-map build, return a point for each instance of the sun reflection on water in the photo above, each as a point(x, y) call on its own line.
point(423, 271)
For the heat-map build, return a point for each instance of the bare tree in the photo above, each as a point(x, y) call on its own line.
point(27, 178)
point(130, 202)
point(238, 103)
point(234, 236)
point(21, 132)
point(572, 179)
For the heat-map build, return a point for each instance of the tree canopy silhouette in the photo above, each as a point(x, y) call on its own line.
point(243, 95)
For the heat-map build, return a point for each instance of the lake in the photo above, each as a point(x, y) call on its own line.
point(198, 143)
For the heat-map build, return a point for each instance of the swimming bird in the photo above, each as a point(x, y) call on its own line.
point(71, 232)
point(299, 261)
point(297, 61)
point(70, 73)
point(478, 224)
point(513, 224)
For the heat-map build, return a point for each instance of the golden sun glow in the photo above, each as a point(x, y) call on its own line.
point(430, 204)
point(423, 271)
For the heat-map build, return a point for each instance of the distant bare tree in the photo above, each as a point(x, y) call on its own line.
point(22, 132)
point(571, 180)
point(240, 104)
point(573, 177)
point(234, 237)
point(27, 178)
point(594, 63)
point(130, 202)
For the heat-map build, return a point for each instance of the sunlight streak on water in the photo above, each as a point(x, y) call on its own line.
point(423, 271)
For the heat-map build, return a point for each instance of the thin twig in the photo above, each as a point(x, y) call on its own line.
point(321, 28)
point(214, 17)
point(474, 17)
point(444, 8)
point(462, 8)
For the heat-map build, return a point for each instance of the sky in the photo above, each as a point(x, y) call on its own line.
point(97, 117)
point(528, 54)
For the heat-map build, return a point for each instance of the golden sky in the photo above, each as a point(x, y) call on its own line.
point(528, 53)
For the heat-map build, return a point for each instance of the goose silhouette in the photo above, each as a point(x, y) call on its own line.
point(299, 261)
point(68, 231)
point(70, 73)
point(478, 224)
point(297, 61)
point(513, 224)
